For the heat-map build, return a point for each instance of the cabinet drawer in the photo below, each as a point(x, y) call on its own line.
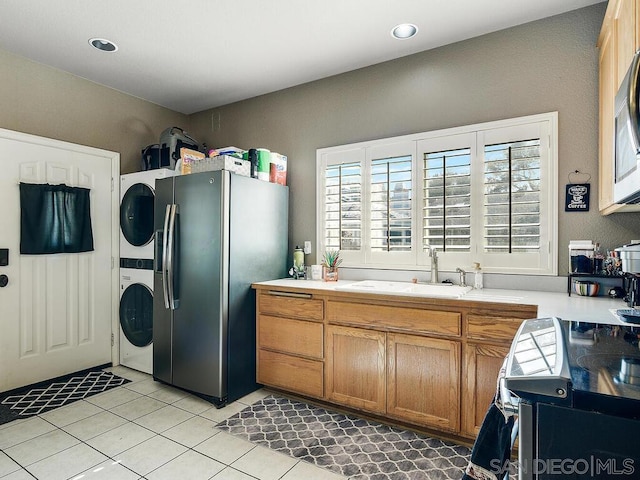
point(485, 327)
point(291, 336)
point(294, 374)
point(298, 305)
point(414, 320)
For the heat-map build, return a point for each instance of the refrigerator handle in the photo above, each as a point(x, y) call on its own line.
point(173, 302)
point(165, 234)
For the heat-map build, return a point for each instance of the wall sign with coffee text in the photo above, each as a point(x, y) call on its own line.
point(577, 194)
point(577, 197)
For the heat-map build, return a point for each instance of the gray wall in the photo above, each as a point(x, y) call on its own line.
point(547, 65)
point(542, 66)
point(43, 101)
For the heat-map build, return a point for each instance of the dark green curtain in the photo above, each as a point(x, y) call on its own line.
point(54, 219)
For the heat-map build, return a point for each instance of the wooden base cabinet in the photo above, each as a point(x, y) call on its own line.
point(290, 342)
point(423, 380)
point(489, 338)
point(416, 362)
point(407, 377)
point(482, 366)
point(355, 368)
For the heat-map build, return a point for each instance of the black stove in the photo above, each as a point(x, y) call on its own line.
point(604, 365)
point(577, 390)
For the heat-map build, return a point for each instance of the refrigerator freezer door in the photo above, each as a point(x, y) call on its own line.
point(162, 314)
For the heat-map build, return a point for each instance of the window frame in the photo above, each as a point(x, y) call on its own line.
point(475, 136)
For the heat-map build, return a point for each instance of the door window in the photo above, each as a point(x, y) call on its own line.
point(136, 315)
point(136, 215)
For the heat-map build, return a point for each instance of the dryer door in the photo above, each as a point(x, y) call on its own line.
point(136, 215)
point(136, 314)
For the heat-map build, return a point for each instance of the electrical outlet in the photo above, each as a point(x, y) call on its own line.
point(307, 247)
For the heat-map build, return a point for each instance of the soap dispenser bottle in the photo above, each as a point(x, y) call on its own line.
point(477, 277)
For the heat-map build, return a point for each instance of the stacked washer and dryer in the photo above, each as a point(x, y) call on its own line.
point(137, 195)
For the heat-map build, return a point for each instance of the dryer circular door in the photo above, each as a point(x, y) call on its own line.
point(136, 214)
point(136, 314)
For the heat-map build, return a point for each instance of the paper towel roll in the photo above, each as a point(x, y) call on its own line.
point(264, 160)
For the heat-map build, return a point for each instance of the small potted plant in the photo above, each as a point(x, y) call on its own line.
point(330, 262)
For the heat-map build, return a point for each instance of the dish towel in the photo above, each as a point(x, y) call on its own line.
point(492, 448)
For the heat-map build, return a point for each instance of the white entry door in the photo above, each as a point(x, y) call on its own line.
point(56, 311)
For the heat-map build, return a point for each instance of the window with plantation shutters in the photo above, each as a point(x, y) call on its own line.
point(512, 197)
point(390, 200)
point(343, 206)
point(482, 193)
point(447, 200)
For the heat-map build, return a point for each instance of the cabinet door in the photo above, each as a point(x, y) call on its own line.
point(607, 92)
point(482, 365)
point(423, 380)
point(625, 32)
point(355, 367)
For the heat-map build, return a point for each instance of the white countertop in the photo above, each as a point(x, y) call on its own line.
point(550, 304)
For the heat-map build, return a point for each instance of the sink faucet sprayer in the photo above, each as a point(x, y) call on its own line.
point(433, 253)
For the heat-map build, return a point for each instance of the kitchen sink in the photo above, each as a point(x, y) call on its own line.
point(440, 290)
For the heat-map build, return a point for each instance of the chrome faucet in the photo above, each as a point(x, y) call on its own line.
point(433, 253)
point(462, 273)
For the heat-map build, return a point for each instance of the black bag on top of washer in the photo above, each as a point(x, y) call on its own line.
point(171, 141)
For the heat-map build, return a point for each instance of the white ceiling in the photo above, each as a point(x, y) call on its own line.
point(192, 55)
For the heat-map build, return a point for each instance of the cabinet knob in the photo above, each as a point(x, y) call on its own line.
point(4, 280)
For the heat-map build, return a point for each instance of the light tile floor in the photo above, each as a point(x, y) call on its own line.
point(142, 430)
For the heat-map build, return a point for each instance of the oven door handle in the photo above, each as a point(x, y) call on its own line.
point(509, 402)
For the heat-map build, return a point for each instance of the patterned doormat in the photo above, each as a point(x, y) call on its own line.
point(348, 445)
point(44, 396)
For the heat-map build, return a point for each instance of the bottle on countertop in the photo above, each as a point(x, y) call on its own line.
point(477, 276)
point(598, 260)
point(298, 258)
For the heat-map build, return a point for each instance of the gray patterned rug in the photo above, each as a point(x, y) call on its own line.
point(36, 399)
point(345, 444)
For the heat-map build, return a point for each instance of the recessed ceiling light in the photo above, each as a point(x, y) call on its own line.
point(102, 44)
point(403, 31)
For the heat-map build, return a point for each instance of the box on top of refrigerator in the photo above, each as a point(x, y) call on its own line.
point(278, 168)
point(233, 164)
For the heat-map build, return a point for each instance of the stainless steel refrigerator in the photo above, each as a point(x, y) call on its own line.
point(215, 234)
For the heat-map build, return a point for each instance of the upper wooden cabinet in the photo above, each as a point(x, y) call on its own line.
point(624, 21)
point(618, 41)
